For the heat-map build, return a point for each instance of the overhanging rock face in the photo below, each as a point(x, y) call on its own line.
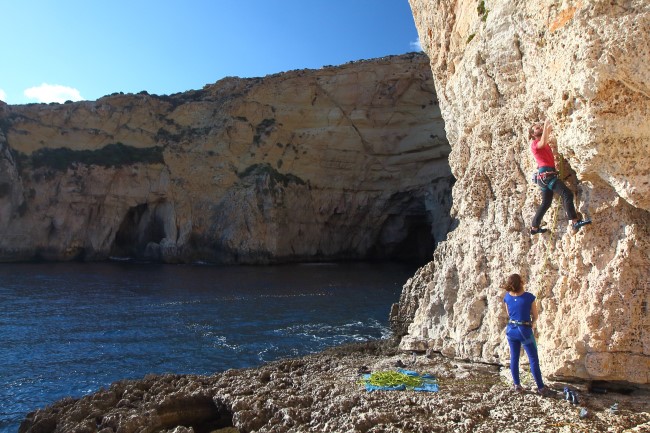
point(345, 162)
point(500, 66)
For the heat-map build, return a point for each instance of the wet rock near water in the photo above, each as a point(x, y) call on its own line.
point(324, 393)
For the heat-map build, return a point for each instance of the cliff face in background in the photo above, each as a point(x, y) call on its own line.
point(500, 66)
point(345, 162)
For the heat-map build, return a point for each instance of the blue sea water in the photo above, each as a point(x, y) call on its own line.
point(68, 329)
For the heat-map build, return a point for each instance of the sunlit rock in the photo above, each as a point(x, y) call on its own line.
point(344, 162)
point(500, 66)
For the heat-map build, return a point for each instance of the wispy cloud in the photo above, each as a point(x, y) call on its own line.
point(3, 95)
point(416, 45)
point(53, 93)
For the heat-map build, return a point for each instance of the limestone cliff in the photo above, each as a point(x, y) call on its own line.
point(499, 66)
point(344, 162)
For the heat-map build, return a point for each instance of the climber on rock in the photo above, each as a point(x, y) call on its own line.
point(547, 179)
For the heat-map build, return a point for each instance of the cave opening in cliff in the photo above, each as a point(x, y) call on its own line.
point(406, 235)
point(139, 227)
point(418, 243)
point(200, 413)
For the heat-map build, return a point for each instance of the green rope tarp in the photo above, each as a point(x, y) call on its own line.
point(400, 380)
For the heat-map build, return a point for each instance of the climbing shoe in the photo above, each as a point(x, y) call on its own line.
point(576, 225)
point(570, 395)
point(538, 230)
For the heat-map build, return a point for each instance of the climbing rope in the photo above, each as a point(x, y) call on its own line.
point(394, 378)
point(462, 382)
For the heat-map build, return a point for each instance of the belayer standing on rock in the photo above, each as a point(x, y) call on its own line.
point(547, 179)
point(522, 315)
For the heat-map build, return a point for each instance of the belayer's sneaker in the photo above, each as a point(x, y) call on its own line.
point(537, 230)
point(576, 225)
point(546, 392)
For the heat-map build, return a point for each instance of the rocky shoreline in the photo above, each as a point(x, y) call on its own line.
point(323, 393)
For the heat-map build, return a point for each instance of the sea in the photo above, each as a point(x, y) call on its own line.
point(69, 329)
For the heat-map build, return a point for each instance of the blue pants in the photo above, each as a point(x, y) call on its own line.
point(523, 335)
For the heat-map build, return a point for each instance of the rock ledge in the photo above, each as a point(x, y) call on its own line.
point(321, 393)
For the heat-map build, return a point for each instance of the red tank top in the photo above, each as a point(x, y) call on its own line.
point(543, 156)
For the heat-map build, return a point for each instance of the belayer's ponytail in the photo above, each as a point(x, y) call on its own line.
point(513, 283)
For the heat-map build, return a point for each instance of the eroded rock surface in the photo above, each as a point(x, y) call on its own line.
point(500, 66)
point(344, 162)
point(321, 393)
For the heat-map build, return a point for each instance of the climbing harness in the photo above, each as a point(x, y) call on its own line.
point(519, 323)
point(546, 178)
point(525, 340)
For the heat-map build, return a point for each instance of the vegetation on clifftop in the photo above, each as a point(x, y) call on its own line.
point(275, 176)
point(111, 155)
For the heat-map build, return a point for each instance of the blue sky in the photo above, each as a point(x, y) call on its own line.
point(57, 50)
